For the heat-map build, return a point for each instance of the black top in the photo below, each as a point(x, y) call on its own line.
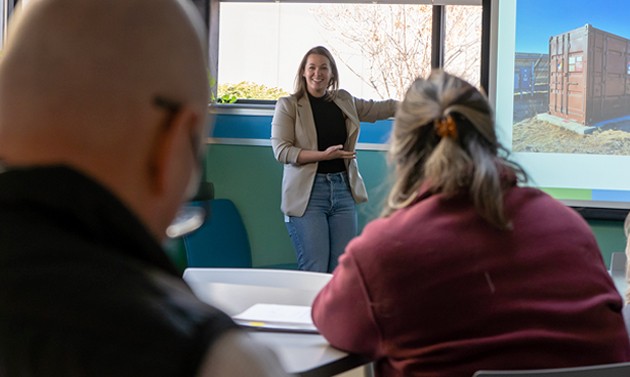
point(330, 124)
point(85, 289)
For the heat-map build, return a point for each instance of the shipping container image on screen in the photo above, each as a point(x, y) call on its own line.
point(589, 73)
point(531, 85)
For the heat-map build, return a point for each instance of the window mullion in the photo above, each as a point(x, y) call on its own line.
point(437, 37)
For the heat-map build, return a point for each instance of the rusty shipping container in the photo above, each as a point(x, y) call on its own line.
point(589, 75)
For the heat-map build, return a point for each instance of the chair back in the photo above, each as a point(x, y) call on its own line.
point(605, 370)
point(236, 289)
point(222, 240)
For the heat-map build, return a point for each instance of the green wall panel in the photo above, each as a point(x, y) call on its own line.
point(610, 237)
point(251, 178)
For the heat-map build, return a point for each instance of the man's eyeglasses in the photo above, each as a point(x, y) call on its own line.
point(189, 218)
point(173, 107)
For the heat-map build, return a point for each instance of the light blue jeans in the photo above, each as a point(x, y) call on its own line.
point(320, 236)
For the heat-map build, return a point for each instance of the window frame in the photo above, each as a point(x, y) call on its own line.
point(210, 13)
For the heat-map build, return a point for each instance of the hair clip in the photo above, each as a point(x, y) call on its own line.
point(446, 127)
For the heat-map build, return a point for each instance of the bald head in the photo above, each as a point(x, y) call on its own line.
point(79, 78)
point(88, 61)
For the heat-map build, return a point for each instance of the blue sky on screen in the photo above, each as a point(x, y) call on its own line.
point(537, 20)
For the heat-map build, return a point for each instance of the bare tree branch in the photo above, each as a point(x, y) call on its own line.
point(394, 42)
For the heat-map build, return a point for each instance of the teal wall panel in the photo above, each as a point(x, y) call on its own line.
point(251, 178)
point(610, 237)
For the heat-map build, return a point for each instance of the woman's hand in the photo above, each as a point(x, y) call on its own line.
point(336, 151)
point(331, 153)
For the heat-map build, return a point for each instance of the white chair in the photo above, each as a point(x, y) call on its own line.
point(236, 289)
point(606, 370)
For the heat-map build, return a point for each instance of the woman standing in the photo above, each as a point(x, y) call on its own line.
point(314, 133)
point(467, 270)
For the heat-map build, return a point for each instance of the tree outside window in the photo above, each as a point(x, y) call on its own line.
point(379, 48)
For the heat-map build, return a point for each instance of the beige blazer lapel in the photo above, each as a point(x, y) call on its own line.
point(352, 121)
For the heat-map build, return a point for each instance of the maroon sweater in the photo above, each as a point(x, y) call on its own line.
point(433, 290)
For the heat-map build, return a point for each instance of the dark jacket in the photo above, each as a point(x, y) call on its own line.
point(86, 290)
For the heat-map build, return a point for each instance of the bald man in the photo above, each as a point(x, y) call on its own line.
point(102, 116)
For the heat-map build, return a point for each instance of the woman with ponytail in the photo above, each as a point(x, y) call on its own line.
point(467, 269)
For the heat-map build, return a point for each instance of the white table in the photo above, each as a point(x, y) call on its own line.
point(234, 290)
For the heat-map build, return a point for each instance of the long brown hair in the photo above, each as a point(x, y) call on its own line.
point(300, 81)
point(444, 135)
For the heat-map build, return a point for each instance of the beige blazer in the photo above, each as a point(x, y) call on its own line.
point(293, 129)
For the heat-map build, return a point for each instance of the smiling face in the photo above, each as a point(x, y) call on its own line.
point(317, 74)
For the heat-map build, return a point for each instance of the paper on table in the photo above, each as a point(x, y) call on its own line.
point(295, 318)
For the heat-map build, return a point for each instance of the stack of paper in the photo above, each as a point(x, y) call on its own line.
point(274, 317)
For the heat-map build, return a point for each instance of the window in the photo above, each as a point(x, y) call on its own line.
point(380, 48)
point(462, 41)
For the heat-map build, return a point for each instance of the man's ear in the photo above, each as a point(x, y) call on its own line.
point(172, 158)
